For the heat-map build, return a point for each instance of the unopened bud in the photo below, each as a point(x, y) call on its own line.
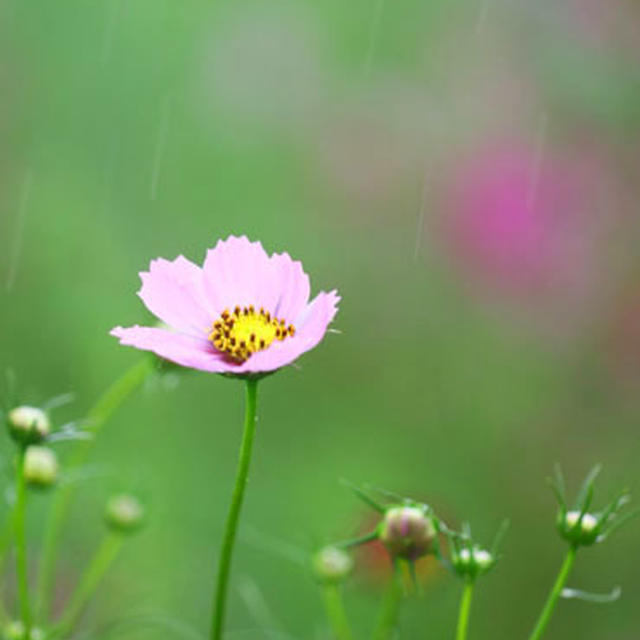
point(483, 559)
point(407, 532)
point(28, 425)
point(40, 467)
point(124, 513)
point(332, 564)
point(579, 531)
point(588, 523)
point(473, 562)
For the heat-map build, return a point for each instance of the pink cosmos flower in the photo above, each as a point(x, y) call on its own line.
point(242, 312)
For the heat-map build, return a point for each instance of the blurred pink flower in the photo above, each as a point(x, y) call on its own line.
point(243, 312)
point(523, 224)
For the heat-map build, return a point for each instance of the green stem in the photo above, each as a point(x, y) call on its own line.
point(102, 560)
point(226, 551)
point(6, 535)
point(106, 405)
point(465, 608)
point(21, 543)
point(388, 619)
point(552, 600)
point(336, 613)
point(355, 542)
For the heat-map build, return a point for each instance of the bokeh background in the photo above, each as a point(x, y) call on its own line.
point(465, 173)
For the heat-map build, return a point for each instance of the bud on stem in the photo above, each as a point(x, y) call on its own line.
point(28, 425)
point(407, 532)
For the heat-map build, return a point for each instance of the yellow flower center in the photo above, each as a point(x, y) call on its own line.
point(243, 331)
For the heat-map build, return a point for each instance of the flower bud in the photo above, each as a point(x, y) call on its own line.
point(483, 559)
point(407, 532)
point(124, 513)
point(579, 531)
point(28, 425)
point(332, 565)
point(40, 467)
point(473, 562)
point(15, 631)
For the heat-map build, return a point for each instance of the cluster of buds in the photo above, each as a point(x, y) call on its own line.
point(472, 561)
point(30, 427)
point(579, 525)
point(410, 530)
point(467, 558)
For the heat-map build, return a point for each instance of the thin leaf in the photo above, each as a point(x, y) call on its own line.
point(558, 491)
point(390, 495)
point(366, 498)
point(441, 530)
point(596, 598)
point(502, 530)
point(355, 542)
point(585, 495)
point(10, 396)
point(69, 432)
point(59, 401)
point(617, 503)
point(559, 481)
point(437, 550)
point(618, 522)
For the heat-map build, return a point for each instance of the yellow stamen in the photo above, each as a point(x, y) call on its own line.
point(243, 331)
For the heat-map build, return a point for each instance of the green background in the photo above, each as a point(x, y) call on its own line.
point(133, 129)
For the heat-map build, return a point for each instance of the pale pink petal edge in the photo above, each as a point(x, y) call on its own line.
point(185, 350)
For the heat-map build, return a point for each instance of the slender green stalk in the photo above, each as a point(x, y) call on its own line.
point(6, 534)
point(336, 613)
point(552, 600)
point(21, 543)
point(226, 551)
point(102, 560)
point(355, 542)
point(117, 393)
point(106, 405)
point(388, 618)
point(465, 608)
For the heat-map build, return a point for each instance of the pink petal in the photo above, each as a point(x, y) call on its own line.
point(174, 292)
point(291, 286)
point(185, 350)
point(239, 272)
point(236, 272)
